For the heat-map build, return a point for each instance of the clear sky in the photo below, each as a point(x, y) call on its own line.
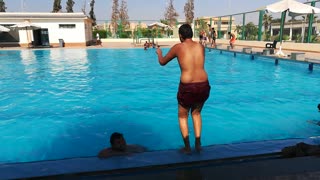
point(145, 9)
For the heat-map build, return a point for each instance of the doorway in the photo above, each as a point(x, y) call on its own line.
point(41, 38)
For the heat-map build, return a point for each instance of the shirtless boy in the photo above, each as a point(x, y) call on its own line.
point(232, 39)
point(194, 88)
point(213, 37)
point(119, 147)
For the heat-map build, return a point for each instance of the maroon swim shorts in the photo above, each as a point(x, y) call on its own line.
point(190, 94)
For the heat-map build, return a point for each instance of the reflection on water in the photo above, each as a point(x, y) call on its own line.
point(69, 70)
point(27, 57)
point(71, 60)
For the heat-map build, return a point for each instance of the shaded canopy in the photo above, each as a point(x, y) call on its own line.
point(4, 29)
point(26, 25)
point(293, 7)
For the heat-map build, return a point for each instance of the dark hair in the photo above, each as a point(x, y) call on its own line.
point(319, 107)
point(115, 136)
point(186, 31)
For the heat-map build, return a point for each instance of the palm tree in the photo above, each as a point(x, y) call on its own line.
point(251, 31)
point(238, 30)
point(2, 6)
point(266, 22)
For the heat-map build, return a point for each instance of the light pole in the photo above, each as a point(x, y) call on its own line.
point(22, 6)
point(303, 28)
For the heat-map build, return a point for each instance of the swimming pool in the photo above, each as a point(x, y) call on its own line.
point(64, 103)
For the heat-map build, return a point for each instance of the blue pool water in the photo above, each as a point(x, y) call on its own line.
point(64, 103)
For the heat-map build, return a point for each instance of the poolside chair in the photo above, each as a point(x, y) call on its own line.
point(272, 45)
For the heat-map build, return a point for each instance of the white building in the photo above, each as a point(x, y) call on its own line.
point(295, 29)
point(51, 29)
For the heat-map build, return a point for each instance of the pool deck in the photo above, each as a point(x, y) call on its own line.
point(252, 160)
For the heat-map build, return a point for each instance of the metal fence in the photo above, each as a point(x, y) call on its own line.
point(262, 26)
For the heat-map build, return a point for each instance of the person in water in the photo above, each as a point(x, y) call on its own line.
point(119, 147)
point(194, 88)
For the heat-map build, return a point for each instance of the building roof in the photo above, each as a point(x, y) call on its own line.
point(42, 15)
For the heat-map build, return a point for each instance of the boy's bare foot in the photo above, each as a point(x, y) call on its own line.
point(198, 148)
point(198, 145)
point(185, 151)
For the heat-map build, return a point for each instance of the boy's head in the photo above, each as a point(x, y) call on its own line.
point(319, 107)
point(185, 32)
point(117, 141)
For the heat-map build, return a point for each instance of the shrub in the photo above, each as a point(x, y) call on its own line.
point(102, 33)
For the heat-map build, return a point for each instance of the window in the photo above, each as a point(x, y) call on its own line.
point(67, 26)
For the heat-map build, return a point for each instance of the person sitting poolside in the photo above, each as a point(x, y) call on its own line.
point(119, 147)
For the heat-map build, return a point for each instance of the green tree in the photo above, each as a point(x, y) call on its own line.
point(171, 14)
point(56, 6)
point(251, 31)
point(202, 26)
point(238, 29)
point(266, 21)
point(189, 11)
point(115, 16)
point(91, 13)
point(2, 6)
point(123, 14)
point(69, 7)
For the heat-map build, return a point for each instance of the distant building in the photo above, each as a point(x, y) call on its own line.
point(296, 30)
point(133, 26)
point(223, 26)
point(50, 29)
